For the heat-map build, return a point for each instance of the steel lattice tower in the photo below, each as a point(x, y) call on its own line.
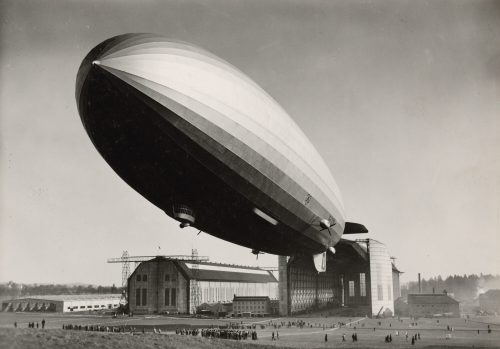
point(195, 288)
point(125, 269)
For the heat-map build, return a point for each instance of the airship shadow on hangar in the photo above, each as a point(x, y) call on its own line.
point(204, 143)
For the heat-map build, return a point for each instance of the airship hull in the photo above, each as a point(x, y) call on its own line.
point(177, 140)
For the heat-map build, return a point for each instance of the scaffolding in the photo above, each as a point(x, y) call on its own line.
point(125, 269)
point(195, 295)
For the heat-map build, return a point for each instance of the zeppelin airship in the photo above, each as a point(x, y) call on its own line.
point(204, 143)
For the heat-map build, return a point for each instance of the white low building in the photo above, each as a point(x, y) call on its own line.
point(63, 303)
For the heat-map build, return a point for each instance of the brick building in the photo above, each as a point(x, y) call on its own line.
point(251, 305)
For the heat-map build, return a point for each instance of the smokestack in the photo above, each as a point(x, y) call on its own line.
point(419, 284)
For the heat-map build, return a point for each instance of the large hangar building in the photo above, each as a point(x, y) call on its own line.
point(360, 279)
point(163, 285)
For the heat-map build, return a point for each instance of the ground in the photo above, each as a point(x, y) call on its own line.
point(312, 335)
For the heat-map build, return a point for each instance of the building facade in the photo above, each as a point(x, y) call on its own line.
point(172, 286)
point(63, 303)
point(256, 305)
point(433, 304)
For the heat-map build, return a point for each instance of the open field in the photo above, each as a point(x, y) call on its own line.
point(432, 332)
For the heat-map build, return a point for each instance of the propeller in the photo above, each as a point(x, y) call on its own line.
point(325, 224)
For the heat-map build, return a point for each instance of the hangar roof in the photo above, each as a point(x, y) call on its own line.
point(432, 298)
point(225, 272)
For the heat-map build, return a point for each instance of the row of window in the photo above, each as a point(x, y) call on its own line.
point(90, 307)
point(143, 277)
point(138, 297)
point(362, 286)
point(170, 297)
point(248, 307)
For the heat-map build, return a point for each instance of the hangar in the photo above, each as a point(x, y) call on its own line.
point(360, 279)
point(164, 285)
point(63, 303)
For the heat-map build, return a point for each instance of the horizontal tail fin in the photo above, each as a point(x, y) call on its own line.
point(355, 228)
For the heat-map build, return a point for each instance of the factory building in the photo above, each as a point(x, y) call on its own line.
point(432, 304)
point(63, 303)
point(359, 280)
point(163, 285)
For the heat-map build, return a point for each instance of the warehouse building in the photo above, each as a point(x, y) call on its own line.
point(63, 303)
point(433, 304)
point(163, 285)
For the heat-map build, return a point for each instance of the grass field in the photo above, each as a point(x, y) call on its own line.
point(312, 335)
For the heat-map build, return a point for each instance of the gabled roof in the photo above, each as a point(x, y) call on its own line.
point(205, 271)
point(431, 298)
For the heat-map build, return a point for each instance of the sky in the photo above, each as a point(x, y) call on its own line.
point(401, 99)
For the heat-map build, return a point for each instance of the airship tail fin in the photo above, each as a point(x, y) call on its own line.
point(355, 228)
point(320, 262)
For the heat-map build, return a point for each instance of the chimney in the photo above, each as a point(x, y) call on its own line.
point(419, 284)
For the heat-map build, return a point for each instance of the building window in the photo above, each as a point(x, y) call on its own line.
point(173, 300)
point(362, 284)
point(167, 277)
point(351, 288)
point(389, 292)
point(137, 296)
point(138, 278)
point(144, 277)
point(144, 296)
point(167, 296)
point(380, 293)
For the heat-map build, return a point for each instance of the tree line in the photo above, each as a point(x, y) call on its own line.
point(14, 290)
point(465, 288)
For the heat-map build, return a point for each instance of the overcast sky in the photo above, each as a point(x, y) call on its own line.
point(401, 98)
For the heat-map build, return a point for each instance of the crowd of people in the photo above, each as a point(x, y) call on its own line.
point(99, 328)
point(224, 333)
